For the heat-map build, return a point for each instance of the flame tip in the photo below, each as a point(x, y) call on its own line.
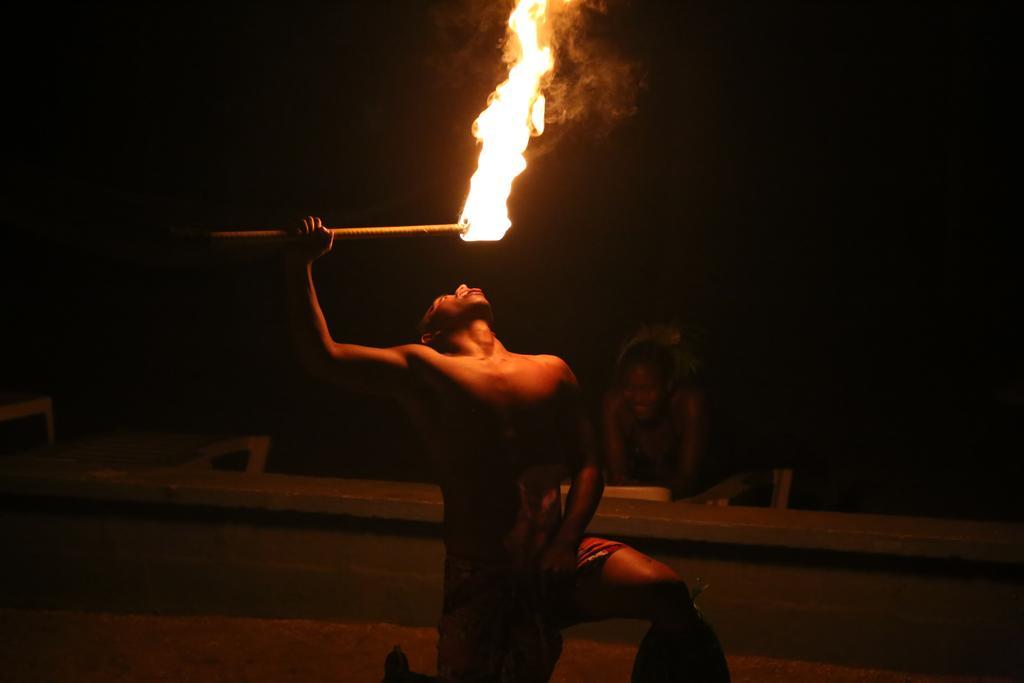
point(514, 113)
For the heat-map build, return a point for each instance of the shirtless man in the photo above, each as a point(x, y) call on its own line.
point(502, 429)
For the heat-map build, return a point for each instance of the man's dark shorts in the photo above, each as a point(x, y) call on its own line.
point(497, 627)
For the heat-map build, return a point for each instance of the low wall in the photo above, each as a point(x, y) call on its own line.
point(899, 593)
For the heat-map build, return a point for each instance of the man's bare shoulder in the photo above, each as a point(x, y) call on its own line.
point(419, 352)
point(555, 366)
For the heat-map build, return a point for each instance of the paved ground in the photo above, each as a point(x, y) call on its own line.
point(75, 647)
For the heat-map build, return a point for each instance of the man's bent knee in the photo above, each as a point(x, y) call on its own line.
point(672, 603)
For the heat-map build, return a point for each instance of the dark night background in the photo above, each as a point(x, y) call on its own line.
point(819, 185)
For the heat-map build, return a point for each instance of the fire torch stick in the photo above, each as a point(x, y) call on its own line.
point(274, 237)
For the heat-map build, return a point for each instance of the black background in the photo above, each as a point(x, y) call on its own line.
point(820, 185)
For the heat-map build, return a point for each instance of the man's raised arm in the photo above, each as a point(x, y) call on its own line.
point(384, 372)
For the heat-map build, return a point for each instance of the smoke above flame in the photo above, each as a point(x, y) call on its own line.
point(514, 113)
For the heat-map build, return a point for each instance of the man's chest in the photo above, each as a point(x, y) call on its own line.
point(511, 387)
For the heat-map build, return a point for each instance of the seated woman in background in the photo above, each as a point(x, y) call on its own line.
point(654, 424)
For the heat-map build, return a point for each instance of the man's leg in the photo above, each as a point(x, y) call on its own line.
point(492, 628)
point(631, 585)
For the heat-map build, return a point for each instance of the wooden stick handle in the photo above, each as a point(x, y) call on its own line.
point(231, 237)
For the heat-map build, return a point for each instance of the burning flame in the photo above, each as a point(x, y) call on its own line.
point(515, 111)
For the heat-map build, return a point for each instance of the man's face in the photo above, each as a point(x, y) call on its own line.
point(464, 304)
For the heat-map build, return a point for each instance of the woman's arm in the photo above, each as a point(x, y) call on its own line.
point(688, 417)
point(614, 439)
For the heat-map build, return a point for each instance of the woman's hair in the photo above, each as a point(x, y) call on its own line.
point(647, 352)
point(669, 349)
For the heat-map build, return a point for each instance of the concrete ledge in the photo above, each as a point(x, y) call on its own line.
point(921, 595)
point(921, 537)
